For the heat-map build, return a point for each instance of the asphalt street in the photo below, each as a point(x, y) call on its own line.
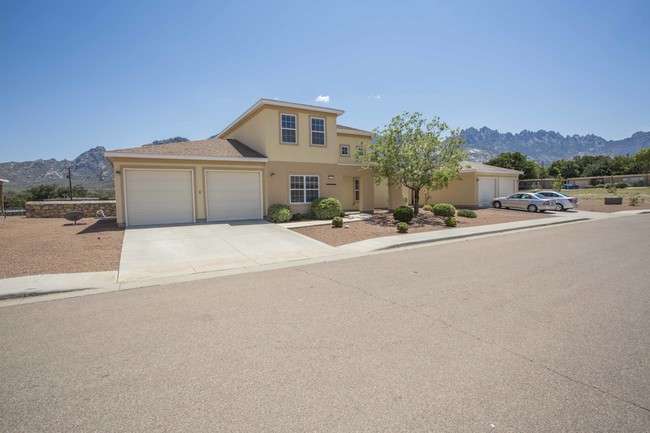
point(546, 330)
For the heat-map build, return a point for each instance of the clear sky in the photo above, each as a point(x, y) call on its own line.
point(80, 74)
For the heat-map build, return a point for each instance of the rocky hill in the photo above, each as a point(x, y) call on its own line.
point(89, 169)
point(547, 146)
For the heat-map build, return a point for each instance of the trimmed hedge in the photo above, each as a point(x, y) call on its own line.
point(279, 213)
point(444, 209)
point(467, 213)
point(402, 227)
point(450, 221)
point(337, 222)
point(325, 208)
point(403, 214)
point(427, 207)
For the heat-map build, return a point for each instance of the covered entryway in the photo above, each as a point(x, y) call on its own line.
point(233, 195)
point(487, 190)
point(155, 196)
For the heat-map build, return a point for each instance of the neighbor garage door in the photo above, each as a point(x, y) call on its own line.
point(158, 197)
point(506, 186)
point(487, 190)
point(234, 195)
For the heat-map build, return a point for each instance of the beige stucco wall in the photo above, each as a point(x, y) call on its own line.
point(262, 133)
point(353, 141)
point(339, 186)
point(198, 168)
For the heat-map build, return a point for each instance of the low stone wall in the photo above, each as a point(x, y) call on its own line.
point(56, 209)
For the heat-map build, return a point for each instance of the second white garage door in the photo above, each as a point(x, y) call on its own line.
point(233, 195)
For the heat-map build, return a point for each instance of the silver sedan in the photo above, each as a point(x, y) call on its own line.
point(562, 200)
point(525, 200)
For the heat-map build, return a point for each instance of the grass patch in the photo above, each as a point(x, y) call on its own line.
point(603, 191)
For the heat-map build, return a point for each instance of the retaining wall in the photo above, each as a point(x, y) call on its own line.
point(57, 209)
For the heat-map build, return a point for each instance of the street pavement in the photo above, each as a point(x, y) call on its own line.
point(539, 331)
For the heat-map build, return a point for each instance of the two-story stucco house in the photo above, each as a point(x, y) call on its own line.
point(275, 152)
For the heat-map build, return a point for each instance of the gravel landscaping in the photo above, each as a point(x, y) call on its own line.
point(383, 224)
point(32, 246)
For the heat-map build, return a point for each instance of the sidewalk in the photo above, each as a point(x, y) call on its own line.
point(26, 287)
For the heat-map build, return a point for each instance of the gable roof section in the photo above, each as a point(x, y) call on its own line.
point(274, 103)
point(354, 131)
point(478, 167)
point(213, 149)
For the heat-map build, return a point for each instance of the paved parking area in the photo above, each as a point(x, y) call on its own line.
point(155, 252)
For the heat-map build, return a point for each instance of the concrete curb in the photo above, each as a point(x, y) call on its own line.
point(473, 234)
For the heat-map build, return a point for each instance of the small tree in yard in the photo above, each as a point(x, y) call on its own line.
point(415, 153)
point(558, 183)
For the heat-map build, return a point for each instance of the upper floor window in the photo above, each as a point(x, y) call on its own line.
point(345, 150)
point(318, 131)
point(288, 128)
point(361, 151)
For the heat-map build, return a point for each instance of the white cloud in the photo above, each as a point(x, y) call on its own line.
point(374, 96)
point(323, 99)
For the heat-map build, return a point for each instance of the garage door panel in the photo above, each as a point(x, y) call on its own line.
point(234, 195)
point(159, 197)
point(506, 186)
point(487, 190)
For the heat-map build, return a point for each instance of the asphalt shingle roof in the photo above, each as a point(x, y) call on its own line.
point(214, 147)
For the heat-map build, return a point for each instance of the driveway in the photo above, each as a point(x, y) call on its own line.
point(155, 252)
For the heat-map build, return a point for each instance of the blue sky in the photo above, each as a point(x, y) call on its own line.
point(80, 74)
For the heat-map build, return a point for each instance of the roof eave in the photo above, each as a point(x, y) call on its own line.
point(183, 157)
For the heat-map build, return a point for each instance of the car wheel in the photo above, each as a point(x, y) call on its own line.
point(532, 208)
point(497, 204)
point(559, 207)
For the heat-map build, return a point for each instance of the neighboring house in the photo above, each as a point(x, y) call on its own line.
point(477, 186)
point(275, 152)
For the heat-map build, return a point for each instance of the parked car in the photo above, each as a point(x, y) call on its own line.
point(570, 186)
point(562, 200)
point(525, 200)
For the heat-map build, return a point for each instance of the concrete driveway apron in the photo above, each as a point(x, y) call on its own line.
point(155, 252)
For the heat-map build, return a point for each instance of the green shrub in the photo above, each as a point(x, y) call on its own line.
point(325, 208)
point(467, 213)
point(427, 207)
point(279, 213)
point(337, 222)
point(402, 227)
point(621, 185)
point(444, 209)
point(342, 214)
point(296, 217)
point(450, 221)
point(403, 213)
point(635, 200)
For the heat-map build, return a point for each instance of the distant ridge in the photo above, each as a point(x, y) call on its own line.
point(547, 146)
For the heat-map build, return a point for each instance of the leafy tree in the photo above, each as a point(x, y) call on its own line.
point(564, 168)
point(415, 153)
point(642, 162)
point(558, 182)
point(44, 191)
point(167, 141)
point(517, 161)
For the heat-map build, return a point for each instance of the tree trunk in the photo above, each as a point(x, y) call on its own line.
point(416, 201)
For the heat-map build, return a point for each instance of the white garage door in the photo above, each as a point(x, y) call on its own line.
point(234, 195)
point(506, 186)
point(487, 190)
point(158, 197)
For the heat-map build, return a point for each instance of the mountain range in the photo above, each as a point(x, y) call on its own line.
point(547, 146)
point(92, 170)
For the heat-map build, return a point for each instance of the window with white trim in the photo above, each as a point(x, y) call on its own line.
point(345, 150)
point(288, 128)
point(303, 189)
point(318, 131)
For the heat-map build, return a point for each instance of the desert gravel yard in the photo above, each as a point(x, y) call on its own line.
point(32, 246)
point(597, 204)
point(383, 224)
